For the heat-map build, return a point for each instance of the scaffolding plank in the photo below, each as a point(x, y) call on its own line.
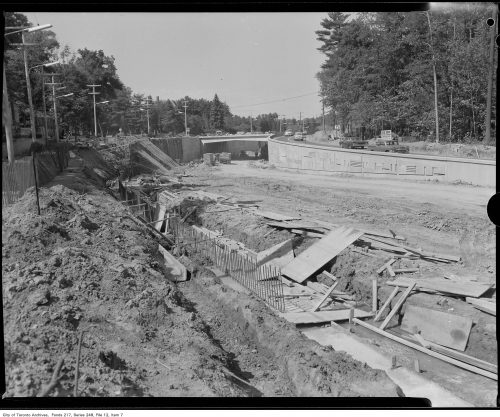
point(320, 253)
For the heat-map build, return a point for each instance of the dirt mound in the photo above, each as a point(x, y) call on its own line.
point(83, 266)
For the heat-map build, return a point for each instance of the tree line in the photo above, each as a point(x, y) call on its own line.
point(120, 107)
point(424, 74)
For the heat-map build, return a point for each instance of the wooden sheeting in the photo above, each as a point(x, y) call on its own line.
point(488, 306)
point(320, 253)
point(437, 326)
point(464, 289)
point(274, 216)
point(278, 255)
point(322, 316)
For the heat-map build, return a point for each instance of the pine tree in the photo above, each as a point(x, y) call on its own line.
point(216, 114)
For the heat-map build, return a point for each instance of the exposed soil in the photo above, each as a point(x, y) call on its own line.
point(84, 266)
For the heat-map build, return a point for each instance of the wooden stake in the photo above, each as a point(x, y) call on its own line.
point(374, 294)
point(416, 364)
point(393, 362)
point(351, 316)
point(383, 267)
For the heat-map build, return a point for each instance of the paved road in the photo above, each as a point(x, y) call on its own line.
point(470, 199)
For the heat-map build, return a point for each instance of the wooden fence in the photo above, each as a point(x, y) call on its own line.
point(19, 175)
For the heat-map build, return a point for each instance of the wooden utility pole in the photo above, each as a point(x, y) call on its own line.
point(56, 127)
point(487, 138)
point(94, 93)
point(7, 119)
point(28, 86)
point(435, 79)
point(324, 130)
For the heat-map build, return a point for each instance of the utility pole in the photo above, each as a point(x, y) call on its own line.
point(185, 117)
point(324, 130)
point(300, 120)
point(251, 125)
point(7, 119)
point(28, 86)
point(487, 138)
point(93, 94)
point(56, 127)
point(46, 129)
point(148, 104)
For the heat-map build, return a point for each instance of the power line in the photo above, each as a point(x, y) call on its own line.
point(276, 101)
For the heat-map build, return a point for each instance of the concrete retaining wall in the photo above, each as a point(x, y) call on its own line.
point(318, 158)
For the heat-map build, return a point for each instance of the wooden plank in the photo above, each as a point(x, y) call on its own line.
point(429, 352)
point(278, 255)
point(464, 289)
point(386, 304)
point(390, 271)
point(306, 233)
point(322, 316)
point(331, 276)
point(483, 305)
point(398, 305)
point(437, 326)
point(274, 216)
point(297, 225)
point(384, 266)
point(285, 281)
point(405, 270)
point(177, 271)
point(320, 253)
point(456, 355)
point(327, 294)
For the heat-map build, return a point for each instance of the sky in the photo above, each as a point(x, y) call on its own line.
point(246, 58)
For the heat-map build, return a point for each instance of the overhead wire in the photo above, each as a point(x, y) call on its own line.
point(275, 101)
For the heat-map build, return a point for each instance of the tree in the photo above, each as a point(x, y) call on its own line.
point(217, 111)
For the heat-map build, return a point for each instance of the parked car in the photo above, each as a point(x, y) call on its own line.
point(353, 142)
point(288, 133)
point(298, 136)
point(385, 145)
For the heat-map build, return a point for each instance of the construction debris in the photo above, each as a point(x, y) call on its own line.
point(437, 326)
point(316, 256)
point(308, 317)
point(483, 304)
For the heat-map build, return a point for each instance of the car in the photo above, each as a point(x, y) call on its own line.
point(386, 145)
point(353, 142)
point(288, 133)
point(298, 136)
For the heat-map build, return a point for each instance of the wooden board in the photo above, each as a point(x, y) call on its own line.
point(483, 305)
point(464, 289)
point(278, 255)
point(439, 327)
point(322, 316)
point(429, 352)
point(298, 225)
point(320, 253)
point(274, 216)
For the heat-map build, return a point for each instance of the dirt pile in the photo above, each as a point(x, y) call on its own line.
point(84, 266)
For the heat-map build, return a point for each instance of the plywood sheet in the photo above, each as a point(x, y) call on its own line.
point(439, 327)
point(317, 255)
point(464, 289)
point(308, 317)
point(278, 255)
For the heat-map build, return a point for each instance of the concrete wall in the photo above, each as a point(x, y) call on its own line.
point(318, 158)
point(191, 149)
